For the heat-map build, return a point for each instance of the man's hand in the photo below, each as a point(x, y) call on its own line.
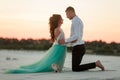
point(62, 41)
point(74, 41)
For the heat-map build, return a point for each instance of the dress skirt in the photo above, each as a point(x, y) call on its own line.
point(56, 54)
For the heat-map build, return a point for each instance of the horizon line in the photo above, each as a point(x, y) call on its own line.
point(49, 39)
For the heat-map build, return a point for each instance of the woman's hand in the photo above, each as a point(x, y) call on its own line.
point(62, 41)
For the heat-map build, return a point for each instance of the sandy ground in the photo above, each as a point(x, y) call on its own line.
point(10, 59)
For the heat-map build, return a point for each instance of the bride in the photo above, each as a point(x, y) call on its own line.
point(55, 56)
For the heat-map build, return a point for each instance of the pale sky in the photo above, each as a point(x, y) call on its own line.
point(29, 18)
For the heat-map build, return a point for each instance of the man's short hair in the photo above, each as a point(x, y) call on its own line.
point(70, 9)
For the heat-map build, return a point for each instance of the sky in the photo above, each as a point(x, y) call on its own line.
point(29, 18)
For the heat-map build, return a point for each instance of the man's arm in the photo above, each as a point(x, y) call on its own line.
point(62, 41)
point(74, 32)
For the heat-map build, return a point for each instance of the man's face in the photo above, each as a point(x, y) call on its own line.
point(68, 14)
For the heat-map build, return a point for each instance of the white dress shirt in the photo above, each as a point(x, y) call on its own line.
point(76, 32)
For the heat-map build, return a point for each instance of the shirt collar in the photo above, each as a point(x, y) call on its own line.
point(74, 17)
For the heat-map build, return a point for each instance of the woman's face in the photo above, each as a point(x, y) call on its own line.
point(61, 21)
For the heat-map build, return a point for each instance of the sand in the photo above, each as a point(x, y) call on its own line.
point(11, 59)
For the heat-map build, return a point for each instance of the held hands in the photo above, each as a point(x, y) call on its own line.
point(74, 41)
point(62, 41)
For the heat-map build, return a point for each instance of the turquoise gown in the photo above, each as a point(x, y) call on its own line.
point(56, 54)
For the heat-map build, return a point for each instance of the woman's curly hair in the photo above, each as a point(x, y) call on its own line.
point(53, 23)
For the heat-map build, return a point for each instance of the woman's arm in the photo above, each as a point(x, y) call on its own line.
point(62, 41)
point(56, 33)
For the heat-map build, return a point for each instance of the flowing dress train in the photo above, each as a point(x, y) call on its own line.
point(56, 54)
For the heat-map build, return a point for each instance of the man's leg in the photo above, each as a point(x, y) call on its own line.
point(77, 55)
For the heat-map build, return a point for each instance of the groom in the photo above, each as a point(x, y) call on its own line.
point(75, 40)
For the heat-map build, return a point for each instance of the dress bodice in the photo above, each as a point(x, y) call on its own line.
point(61, 36)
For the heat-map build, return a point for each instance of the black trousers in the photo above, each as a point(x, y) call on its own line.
point(77, 55)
